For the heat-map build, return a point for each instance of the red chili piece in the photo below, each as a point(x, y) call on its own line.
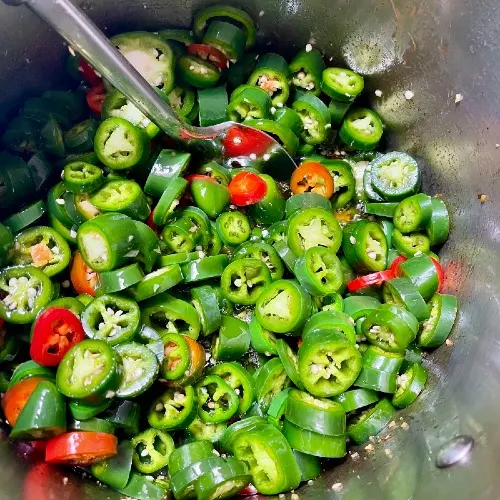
point(247, 188)
point(95, 97)
point(395, 265)
point(243, 141)
point(56, 330)
point(89, 73)
point(440, 272)
point(209, 53)
point(370, 280)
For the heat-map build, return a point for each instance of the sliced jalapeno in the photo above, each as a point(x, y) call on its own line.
point(409, 385)
point(165, 208)
point(270, 379)
point(225, 480)
point(299, 202)
point(262, 340)
point(438, 226)
point(217, 401)
point(276, 410)
point(314, 443)
point(315, 118)
point(52, 137)
point(166, 314)
point(149, 245)
point(413, 213)
point(152, 56)
point(152, 449)
point(151, 339)
point(443, 312)
point(202, 431)
point(239, 380)
point(285, 136)
point(168, 165)
point(228, 13)
point(42, 247)
point(313, 227)
point(120, 145)
point(395, 176)
point(88, 371)
point(111, 318)
point(244, 280)
point(319, 271)
point(371, 421)
point(233, 340)
point(208, 267)
point(174, 409)
point(309, 465)
point(422, 272)
point(43, 415)
point(195, 71)
point(271, 74)
point(115, 471)
point(283, 306)
point(306, 69)
point(328, 363)
point(233, 228)
point(356, 398)
point(108, 241)
point(119, 279)
point(122, 196)
point(80, 137)
point(390, 327)
point(188, 454)
point(183, 481)
point(81, 410)
point(140, 368)
point(117, 105)
point(92, 425)
point(81, 177)
point(227, 38)
point(22, 219)
point(318, 415)
point(377, 380)
point(211, 197)
point(381, 209)
point(331, 319)
point(342, 84)
point(266, 445)
point(332, 302)
point(411, 244)
point(402, 292)
point(124, 415)
point(158, 281)
point(248, 101)
point(365, 246)
point(204, 300)
point(361, 129)
point(24, 292)
point(263, 251)
point(338, 110)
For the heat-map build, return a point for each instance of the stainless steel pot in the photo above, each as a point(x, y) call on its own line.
point(437, 49)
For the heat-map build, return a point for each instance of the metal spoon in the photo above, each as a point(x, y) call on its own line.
point(86, 38)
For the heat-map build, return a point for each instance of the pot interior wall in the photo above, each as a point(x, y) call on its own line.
point(437, 49)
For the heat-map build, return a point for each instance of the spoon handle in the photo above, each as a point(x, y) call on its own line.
point(86, 38)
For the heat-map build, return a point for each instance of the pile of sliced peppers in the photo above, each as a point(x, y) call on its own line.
point(198, 328)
